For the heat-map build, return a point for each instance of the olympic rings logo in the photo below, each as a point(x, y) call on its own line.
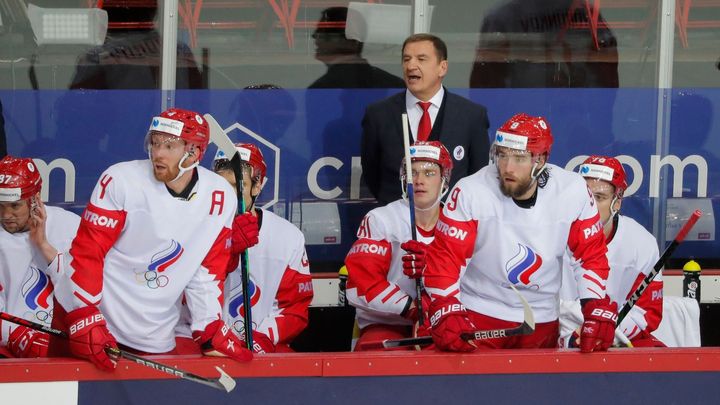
point(151, 279)
point(42, 316)
point(154, 281)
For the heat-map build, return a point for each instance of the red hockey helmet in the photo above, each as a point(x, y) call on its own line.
point(19, 179)
point(605, 168)
point(185, 124)
point(431, 151)
point(250, 155)
point(524, 132)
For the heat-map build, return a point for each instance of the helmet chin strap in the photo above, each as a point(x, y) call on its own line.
point(182, 170)
point(613, 211)
point(534, 175)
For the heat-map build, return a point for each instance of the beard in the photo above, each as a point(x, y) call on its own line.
point(167, 174)
point(517, 189)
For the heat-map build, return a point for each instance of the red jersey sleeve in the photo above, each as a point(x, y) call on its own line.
point(453, 246)
point(586, 242)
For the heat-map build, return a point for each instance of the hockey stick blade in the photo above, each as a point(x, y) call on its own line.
point(224, 382)
point(219, 137)
point(527, 327)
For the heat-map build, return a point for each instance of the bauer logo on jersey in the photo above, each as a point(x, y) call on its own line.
point(523, 265)
point(236, 306)
point(425, 152)
point(510, 140)
point(36, 289)
point(167, 126)
point(597, 172)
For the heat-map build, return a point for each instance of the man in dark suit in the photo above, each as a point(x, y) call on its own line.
point(434, 114)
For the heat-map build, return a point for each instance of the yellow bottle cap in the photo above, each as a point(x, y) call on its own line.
point(692, 265)
point(343, 271)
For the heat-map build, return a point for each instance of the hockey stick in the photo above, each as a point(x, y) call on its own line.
point(224, 382)
point(659, 265)
point(411, 202)
point(526, 328)
point(223, 142)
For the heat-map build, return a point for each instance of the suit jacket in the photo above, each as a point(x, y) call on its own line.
point(461, 125)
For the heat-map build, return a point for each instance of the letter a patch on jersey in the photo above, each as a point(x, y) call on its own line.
point(523, 265)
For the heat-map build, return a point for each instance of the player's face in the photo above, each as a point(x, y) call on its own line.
point(427, 180)
point(166, 152)
point(603, 192)
point(15, 216)
point(423, 70)
point(514, 171)
point(248, 189)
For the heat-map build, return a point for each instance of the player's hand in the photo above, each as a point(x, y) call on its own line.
point(217, 340)
point(89, 337)
point(37, 232)
point(245, 233)
point(262, 343)
point(598, 329)
point(25, 342)
point(413, 261)
point(411, 313)
point(449, 319)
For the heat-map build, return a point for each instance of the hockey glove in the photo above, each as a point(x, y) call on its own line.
point(217, 340)
point(262, 343)
point(26, 342)
point(89, 337)
point(449, 319)
point(245, 233)
point(598, 329)
point(413, 261)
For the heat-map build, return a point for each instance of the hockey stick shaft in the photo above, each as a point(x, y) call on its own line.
point(220, 138)
point(527, 327)
point(220, 383)
point(411, 203)
point(659, 265)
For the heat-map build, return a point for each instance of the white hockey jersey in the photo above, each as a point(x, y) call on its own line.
point(280, 283)
point(499, 243)
point(138, 249)
point(376, 285)
point(26, 280)
point(632, 253)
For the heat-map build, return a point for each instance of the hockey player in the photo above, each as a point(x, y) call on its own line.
point(632, 253)
point(378, 288)
point(510, 224)
point(153, 231)
point(32, 240)
point(280, 283)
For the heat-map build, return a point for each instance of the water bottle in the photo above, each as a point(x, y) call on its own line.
point(342, 276)
point(691, 280)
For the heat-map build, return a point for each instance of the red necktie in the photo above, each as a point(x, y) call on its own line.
point(424, 127)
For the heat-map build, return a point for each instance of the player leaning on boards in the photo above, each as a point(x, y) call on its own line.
point(632, 253)
point(153, 231)
point(280, 282)
point(32, 239)
point(383, 296)
point(510, 224)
